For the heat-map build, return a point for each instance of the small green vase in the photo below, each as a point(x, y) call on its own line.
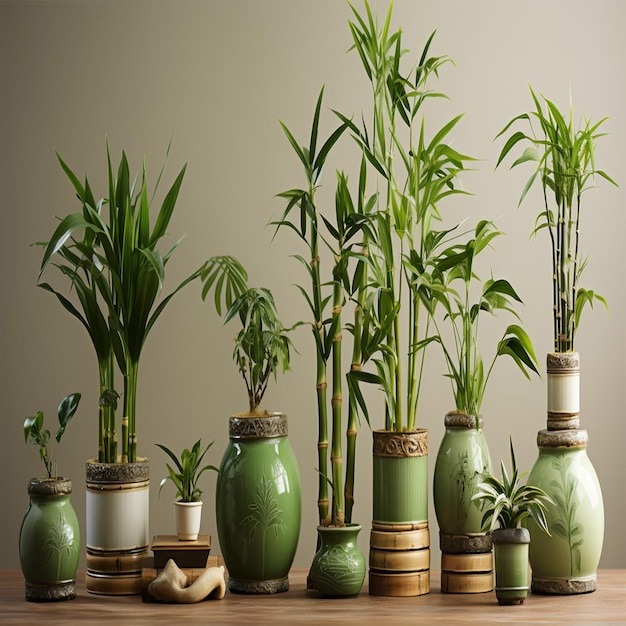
point(462, 462)
point(565, 561)
point(338, 567)
point(400, 477)
point(258, 504)
point(50, 541)
point(510, 547)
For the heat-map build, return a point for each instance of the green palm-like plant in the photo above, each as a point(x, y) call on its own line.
point(188, 471)
point(35, 433)
point(508, 503)
point(565, 157)
point(117, 272)
point(465, 364)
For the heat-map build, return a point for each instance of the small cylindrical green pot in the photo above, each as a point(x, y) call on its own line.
point(338, 566)
point(510, 547)
point(565, 561)
point(462, 462)
point(400, 477)
point(258, 504)
point(50, 541)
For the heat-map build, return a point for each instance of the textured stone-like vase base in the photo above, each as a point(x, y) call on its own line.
point(465, 544)
point(50, 593)
point(561, 587)
point(258, 586)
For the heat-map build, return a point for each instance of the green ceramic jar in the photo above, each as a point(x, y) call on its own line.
point(510, 548)
point(338, 567)
point(566, 561)
point(400, 477)
point(258, 504)
point(462, 462)
point(50, 541)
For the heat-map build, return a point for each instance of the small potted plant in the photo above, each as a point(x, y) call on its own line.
point(188, 505)
point(506, 504)
point(258, 503)
point(50, 534)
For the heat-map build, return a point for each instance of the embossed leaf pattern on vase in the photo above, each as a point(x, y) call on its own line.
point(60, 543)
point(265, 515)
point(566, 526)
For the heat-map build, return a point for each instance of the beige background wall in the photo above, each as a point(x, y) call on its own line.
point(217, 76)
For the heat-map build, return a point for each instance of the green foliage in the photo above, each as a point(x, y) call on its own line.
point(508, 503)
point(566, 168)
point(416, 173)
point(465, 364)
point(262, 346)
point(117, 272)
point(35, 433)
point(187, 471)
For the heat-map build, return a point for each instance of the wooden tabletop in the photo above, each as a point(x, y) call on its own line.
point(607, 604)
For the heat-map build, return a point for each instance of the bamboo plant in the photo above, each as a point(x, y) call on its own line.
point(414, 174)
point(566, 168)
point(336, 241)
point(117, 272)
point(462, 311)
point(262, 346)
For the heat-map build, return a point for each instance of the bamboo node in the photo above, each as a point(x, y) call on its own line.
point(336, 400)
point(322, 445)
point(321, 386)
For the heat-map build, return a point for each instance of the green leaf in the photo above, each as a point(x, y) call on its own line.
point(67, 409)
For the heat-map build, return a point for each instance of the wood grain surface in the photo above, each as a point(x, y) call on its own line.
point(299, 606)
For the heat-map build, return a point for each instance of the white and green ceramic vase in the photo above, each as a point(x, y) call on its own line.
point(258, 504)
point(565, 562)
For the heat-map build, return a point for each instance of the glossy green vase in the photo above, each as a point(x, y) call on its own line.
point(338, 567)
point(510, 548)
point(462, 462)
point(566, 562)
point(50, 541)
point(400, 477)
point(258, 504)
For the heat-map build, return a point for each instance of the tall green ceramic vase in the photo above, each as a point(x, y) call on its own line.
point(566, 561)
point(258, 504)
point(462, 462)
point(50, 541)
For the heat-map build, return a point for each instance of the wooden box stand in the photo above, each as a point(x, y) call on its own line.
point(186, 554)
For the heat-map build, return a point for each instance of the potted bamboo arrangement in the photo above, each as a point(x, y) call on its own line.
point(566, 561)
point(258, 486)
point(414, 173)
point(188, 503)
point(109, 254)
point(49, 541)
point(342, 235)
point(463, 459)
point(506, 504)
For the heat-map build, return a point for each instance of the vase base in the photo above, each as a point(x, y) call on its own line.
point(258, 586)
point(38, 592)
point(564, 587)
point(475, 543)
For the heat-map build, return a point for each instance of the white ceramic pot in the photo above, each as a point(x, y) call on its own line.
point(188, 516)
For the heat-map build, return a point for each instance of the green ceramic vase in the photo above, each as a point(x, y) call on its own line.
point(566, 561)
point(510, 548)
point(258, 504)
point(338, 567)
point(400, 477)
point(462, 462)
point(50, 541)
